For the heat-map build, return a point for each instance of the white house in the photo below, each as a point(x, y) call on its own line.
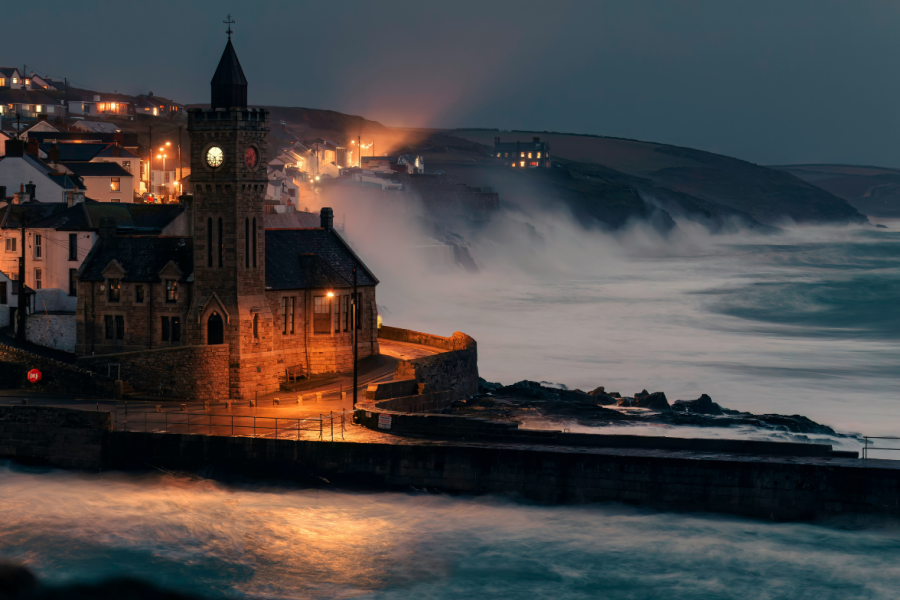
point(103, 181)
point(18, 168)
point(9, 300)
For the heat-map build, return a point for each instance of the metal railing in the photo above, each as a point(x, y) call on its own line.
point(867, 446)
point(177, 422)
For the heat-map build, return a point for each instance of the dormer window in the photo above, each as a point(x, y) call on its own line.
point(115, 290)
point(171, 290)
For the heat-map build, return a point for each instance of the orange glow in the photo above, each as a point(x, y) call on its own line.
point(330, 294)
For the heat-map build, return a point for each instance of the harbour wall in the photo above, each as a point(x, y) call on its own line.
point(455, 369)
point(755, 479)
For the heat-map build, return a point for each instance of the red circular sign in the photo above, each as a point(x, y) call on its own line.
point(34, 376)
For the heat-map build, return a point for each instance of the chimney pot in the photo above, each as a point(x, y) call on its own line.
point(31, 190)
point(327, 217)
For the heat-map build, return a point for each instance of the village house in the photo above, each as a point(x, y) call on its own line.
point(281, 301)
point(19, 167)
point(103, 181)
point(104, 104)
point(45, 83)
point(28, 104)
point(523, 155)
point(157, 106)
point(11, 77)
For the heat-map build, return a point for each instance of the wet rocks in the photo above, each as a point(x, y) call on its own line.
point(701, 406)
point(654, 401)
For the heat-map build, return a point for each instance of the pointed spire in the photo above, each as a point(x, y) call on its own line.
point(228, 85)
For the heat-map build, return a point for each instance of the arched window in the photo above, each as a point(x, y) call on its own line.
point(209, 242)
point(256, 326)
point(255, 236)
point(247, 242)
point(215, 329)
point(221, 242)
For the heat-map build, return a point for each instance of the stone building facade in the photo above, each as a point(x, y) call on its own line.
point(280, 300)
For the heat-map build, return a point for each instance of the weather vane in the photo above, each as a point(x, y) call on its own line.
point(229, 21)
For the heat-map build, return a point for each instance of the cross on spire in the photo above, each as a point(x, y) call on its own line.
point(229, 21)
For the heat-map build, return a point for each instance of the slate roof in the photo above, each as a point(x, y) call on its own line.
point(73, 218)
point(289, 265)
point(75, 152)
point(102, 137)
point(19, 96)
point(108, 152)
point(34, 212)
point(292, 220)
point(141, 257)
point(229, 71)
point(147, 219)
point(96, 169)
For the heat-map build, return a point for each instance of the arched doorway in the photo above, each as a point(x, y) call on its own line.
point(215, 329)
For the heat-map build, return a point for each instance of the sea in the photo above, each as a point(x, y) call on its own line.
point(804, 322)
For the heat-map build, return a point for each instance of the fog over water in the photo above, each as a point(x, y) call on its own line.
point(804, 322)
point(194, 535)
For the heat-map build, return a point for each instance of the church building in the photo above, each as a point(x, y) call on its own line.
point(279, 299)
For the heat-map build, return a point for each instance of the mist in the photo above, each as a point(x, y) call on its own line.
point(786, 323)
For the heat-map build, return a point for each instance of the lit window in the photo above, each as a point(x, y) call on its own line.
point(529, 155)
point(115, 289)
point(506, 155)
point(321, 314)
point(37, 108)
point(15, 80)
point(171, 290)
point(514, 164)
point(538, 154)
point(498, 155)
point(522, 163)
point(114, 184)
point(2, 81)
point(126, 164)
point(522, 155)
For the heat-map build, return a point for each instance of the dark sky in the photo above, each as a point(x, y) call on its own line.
point(784, 81)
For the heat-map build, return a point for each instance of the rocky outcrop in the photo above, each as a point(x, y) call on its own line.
point(654, 401)
point(701, 406)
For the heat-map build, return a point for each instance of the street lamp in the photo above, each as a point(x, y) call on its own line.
point(163, 157)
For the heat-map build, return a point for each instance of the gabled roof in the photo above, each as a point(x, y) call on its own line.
point(96, 169)
point(8, 71)
point(288, 266)
point(142, 258)
point(19, 96)
point(72, 218)
point(109, 152)
point(137, 218)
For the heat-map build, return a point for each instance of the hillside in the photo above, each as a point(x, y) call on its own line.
point(697, 178)
point(873, 191)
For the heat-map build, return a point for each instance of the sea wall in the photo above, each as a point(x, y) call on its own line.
point(181, 372)
point(456, 369)
point(57, 376)
point(755, 486)
point(59, 436)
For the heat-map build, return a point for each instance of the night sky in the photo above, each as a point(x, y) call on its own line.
point(767, 81)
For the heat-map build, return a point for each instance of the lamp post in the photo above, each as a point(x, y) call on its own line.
point(355, 344)
point(163, 156)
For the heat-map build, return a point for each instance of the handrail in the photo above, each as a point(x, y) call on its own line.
point(227, 421)
point(867, 447)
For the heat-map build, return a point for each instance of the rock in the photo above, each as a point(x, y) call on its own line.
point(598, 391)
point(624, 401)
point(655, 401)
point(701, 406)
point(16, 582)
point(641, 394)
point(604, 400)
point(486, 386)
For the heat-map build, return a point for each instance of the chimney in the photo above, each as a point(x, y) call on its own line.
point(32, 147)
point(327, 216)
point(107, 227)
point(96, 97)
point(53, 154)
point(537, 140)
point(119, 138)
point(15, 148)
point(115, 150)
point(31, 190)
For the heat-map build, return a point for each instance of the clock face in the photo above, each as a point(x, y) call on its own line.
point(215, 156)
point(251, 157)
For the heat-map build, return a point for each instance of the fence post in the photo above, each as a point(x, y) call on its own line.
point(332, 425)
point(320, 427)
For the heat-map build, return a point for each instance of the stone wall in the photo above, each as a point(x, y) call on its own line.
point(754, 486)
point(57, 377)
point(55, 331)
point(59, 436)
point(184, 372)
point(455, 370)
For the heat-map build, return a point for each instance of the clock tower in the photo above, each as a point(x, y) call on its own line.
point(229, 180)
